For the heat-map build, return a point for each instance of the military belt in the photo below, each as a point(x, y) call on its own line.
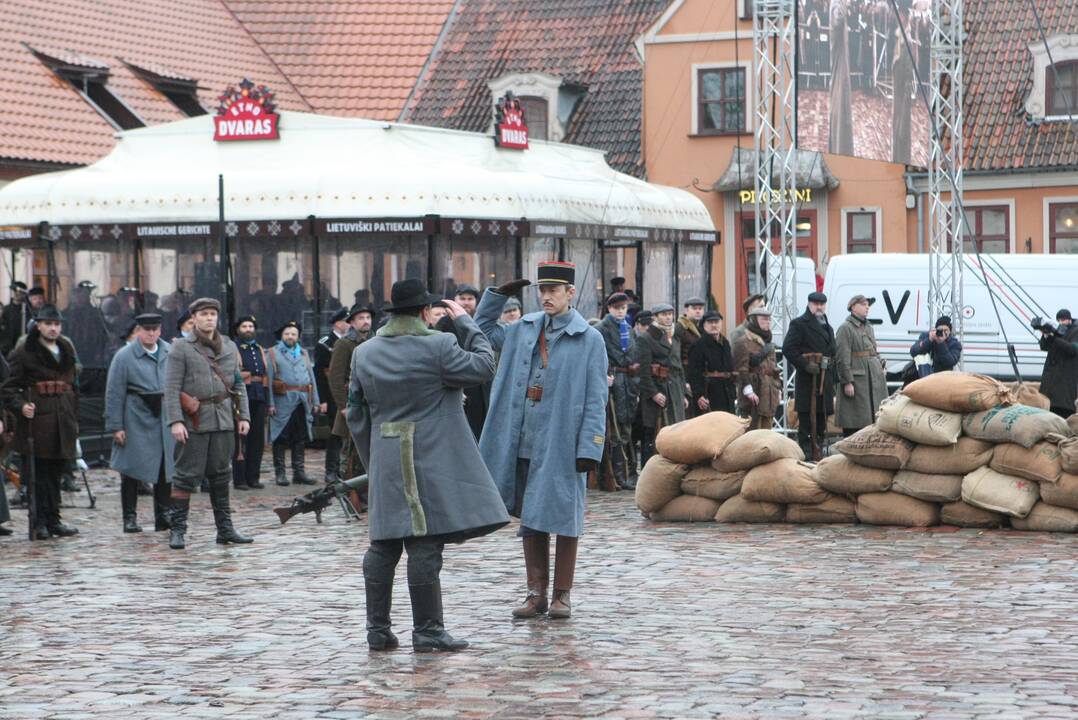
point(660, 371)
point(864, 353)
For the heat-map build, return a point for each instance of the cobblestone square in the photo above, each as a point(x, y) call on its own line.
point(670, 621)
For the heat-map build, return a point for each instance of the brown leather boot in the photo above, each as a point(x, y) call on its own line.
point(564, 568)
point(537, 565)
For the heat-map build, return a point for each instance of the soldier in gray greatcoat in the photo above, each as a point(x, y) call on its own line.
point(293, 402)
point(205, 407)
point(861, 372)
point(428, 483)
point(142, 446)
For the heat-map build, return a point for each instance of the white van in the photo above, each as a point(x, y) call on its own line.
point(804, 284)
point(1024, 286)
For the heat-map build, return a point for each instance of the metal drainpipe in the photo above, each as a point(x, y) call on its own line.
point(920, 196)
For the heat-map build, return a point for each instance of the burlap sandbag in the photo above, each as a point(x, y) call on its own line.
point(739, 510)
point(891, 508)
point(1041, 463)
point(1015, 423)
point(931, 488)
point(1068, 451)
point(783, 481)
point(963, 457)
point(708, 482)
point(963, 514)
point(832, 510)
point(756, 447)
point(1063, 493)
point(1007, 494)
point(873, 447)
point(700, 439)
point(959, 392)
point(921, 424)
point(659, 483)
point(842, 476)
point(1028, 393)
point(1048, 518)
point(687, 508)
point(1072, 423)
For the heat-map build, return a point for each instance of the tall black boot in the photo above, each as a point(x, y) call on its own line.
point(278, 464)
point(299, 460)
point(161, 492)
point(333, 459)
point(222, 516)
point(178, 522)
point(129, 503)
point(428, 632)
point(379, 602)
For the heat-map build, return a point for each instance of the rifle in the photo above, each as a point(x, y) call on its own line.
point(318, 500)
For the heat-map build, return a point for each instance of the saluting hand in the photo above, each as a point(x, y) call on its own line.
point(119, 437)
point(179, 432)
point(512, 287)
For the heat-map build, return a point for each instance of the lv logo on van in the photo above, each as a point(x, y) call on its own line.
point(891, 311)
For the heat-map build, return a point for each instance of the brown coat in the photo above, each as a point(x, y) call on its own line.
point(55, 427)
point(758, 368)
point(340, 368)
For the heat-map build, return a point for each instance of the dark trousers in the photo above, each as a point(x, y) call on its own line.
point(205, 456)
point(47, 476)
point(248, 470)
point(333, 454)
point(162, 490)
point(804, 430)
point(424, 560)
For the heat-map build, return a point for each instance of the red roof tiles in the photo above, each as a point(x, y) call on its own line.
point(43, 119)
point(356, 58)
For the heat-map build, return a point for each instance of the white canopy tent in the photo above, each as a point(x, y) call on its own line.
point(340, 167)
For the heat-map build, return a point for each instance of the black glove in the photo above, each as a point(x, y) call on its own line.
point(445, 324)
point(812, 368)
point(584, 465)
point(512, 287)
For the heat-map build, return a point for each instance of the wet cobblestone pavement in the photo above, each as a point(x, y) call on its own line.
point(670, 621)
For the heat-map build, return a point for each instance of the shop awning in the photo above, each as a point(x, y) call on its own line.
point(333, 167)
point(810, 171)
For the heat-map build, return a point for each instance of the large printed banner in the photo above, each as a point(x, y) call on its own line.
point(857, 88)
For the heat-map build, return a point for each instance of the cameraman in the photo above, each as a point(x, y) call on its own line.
point(940, 345)
point(1059, 378)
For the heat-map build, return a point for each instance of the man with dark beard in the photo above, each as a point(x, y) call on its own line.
point(293, 404)
point(711, 368)
point(253, 370)
point(758, 379)
point(323, 353)
point(810, 348)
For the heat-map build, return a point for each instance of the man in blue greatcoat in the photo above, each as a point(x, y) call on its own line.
point(293, 402)
point(546, 426)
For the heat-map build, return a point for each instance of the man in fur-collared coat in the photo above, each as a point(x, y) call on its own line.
point(42, 393)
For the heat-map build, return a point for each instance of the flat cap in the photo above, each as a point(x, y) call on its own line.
point(645, 317)
point(466, 289)
point(711, 315)
point(617, 298)
point(36, 290)
point(511, 304)
point(694, 300)
point(817, 297)
point(661, 308)
point(763, 311)
point(859, 299)
point(204, 303)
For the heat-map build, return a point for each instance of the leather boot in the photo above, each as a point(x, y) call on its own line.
point(278, 464)
point(564, 569)
point(178, 522)
point(379, 602)
point(161, 492)
point(428, 632)
point(129, 504)
point(222, 517)
point(299, 461)
point(537, 566)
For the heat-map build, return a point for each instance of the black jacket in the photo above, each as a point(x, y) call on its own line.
point(625, 390)
point(13, 323)
point(1059, 379)
point(711, 355)
point(323, 353)
point(807, 335)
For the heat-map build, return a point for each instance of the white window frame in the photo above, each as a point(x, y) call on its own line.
point(1047, 203)
point(876, 210)
point(1063, 47)
point(539, 85)
point(1010, 219)
point(746, 66)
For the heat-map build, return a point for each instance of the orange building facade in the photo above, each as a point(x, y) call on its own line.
point(1021, 181)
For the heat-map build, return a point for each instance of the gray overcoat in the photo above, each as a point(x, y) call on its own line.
point(573, 410)
point(865, 372)
point(406, 415)
point(188, 369)
point(149, 440)
point(293, 370)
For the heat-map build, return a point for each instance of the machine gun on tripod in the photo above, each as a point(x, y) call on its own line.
point(350, 494)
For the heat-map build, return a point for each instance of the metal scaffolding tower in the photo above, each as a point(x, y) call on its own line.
point(945, 165)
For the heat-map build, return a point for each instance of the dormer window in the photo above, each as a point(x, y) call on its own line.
point(535, 116)
point(179, 90)
point(90, 78)
point(1061, 89)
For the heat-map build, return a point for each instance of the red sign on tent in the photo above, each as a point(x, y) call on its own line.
point(246, 113)
point(510, 129)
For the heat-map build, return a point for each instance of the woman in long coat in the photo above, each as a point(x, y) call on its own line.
point(133, 404)
point(292, 403)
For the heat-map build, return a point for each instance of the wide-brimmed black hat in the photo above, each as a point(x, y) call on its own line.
point(290, 324)
point(36, 290)
point(48, 313)
point(241, 320)
point(356, 310)
point(409, 293)
point(17, 285)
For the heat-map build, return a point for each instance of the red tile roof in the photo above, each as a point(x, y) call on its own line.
point(999, 76)
point(43, 119)
point(587, 42)
point(357, 58)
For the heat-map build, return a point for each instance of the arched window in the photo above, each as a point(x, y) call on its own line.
point(535, 110)
point(1061, 89)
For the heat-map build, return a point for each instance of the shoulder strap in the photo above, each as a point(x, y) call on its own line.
point(273, 359)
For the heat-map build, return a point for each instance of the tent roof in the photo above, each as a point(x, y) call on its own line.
point(333, 167)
